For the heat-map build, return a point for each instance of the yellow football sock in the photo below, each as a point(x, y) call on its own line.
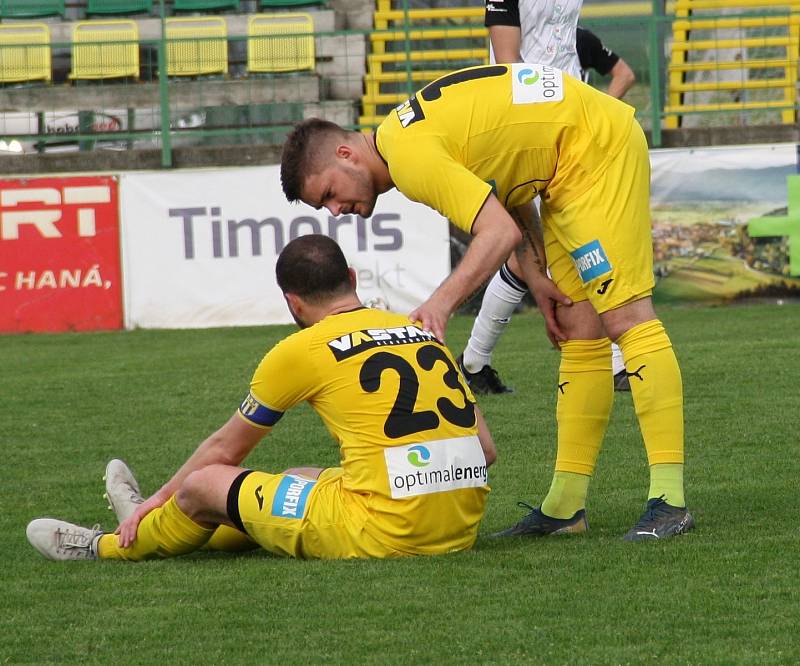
point(657, 392)
point(666, 480)
point(164, 532)
point(567, 495)
point(585, 397)
point(229, 540)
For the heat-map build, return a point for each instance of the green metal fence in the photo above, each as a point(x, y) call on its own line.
point(238, 106)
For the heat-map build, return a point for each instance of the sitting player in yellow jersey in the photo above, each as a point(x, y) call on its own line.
point(414, 446)
point(479, 145)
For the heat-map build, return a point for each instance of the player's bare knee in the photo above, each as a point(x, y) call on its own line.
point(191, 496)
point(620, 320)
point(580, 321)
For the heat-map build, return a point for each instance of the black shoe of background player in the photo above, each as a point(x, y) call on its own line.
point(621, 381)
point(485, 381)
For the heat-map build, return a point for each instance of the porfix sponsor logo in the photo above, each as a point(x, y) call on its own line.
point(532, 84)
point(591, 261)
point(357, 342)
point(437, 466)
point(291, 497)
point(206, 231)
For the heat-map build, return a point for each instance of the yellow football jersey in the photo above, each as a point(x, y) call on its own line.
point(518, 130)
point(414, 474)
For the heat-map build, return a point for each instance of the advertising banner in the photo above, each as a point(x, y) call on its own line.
point(723, 222)
point(59, 254)
point(199, 248)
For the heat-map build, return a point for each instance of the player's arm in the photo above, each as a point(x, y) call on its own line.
point(596, 55)
point(505, 34)
point(229, 445)
point(532, 261)
point(485, 437)
point(495, 234)
point(506, 40)
point(622, 78)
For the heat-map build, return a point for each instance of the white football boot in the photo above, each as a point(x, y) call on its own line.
point(59, 540)
point(122, 489)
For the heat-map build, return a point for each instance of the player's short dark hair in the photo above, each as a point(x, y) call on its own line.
point(314, 268)
point(304, 153)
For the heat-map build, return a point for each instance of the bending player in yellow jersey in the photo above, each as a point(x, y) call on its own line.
point(478, 145)
point(414, 446)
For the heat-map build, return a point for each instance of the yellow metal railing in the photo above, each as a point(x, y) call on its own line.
point(416, 46)
point(766, 62)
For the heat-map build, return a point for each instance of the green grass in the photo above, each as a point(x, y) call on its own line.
point(725, 594)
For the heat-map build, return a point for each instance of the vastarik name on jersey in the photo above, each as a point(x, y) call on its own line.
point(356, 342)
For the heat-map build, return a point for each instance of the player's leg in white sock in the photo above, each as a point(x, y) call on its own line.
point(503, 293)
point(617, 362)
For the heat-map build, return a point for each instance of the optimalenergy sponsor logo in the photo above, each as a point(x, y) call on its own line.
point(531, 84)
point(435, 467)
point(419, 456)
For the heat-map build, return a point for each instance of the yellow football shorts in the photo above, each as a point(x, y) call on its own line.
point(600, 245)
point(304, 518)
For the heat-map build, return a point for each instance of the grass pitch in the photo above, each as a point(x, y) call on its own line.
point(725, 594)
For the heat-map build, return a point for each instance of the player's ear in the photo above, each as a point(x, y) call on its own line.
point(292, 299)
point(294, 302)
point(352, 272)
point(344, 151)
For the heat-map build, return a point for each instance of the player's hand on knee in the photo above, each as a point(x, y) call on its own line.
point(548, 296)
point(128, 528)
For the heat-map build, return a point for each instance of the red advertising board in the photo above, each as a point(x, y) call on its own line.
point(59, 254)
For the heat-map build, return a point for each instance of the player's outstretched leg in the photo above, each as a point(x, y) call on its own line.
point(164, 532)
point(59, 540)
point(122, 489)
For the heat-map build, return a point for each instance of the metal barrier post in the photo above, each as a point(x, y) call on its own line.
point(407, 46)
point(163, 91)
point(656, 64)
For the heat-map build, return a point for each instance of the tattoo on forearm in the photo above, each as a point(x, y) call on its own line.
point(529, 224)
point(528, 247)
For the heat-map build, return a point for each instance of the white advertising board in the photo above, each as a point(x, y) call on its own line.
point(199, 248)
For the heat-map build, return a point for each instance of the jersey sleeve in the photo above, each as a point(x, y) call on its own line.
point(430, 175)
point(501, 12)
point(593, 54)
point(283, 379)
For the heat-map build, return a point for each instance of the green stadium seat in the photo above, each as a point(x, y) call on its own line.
point(119, 6)
point(205, 5)
point(31, 8)
point(273, 4)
